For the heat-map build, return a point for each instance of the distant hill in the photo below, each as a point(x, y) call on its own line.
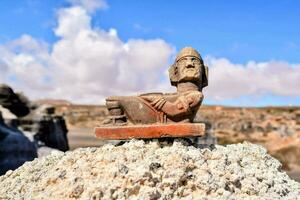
point(55, 102)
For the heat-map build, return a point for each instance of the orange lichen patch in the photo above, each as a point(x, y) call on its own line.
point(150, 131)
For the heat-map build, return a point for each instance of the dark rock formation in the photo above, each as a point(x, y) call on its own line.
point(46, 128)
point(15, 148)
point(27, 130)
point(17, 103)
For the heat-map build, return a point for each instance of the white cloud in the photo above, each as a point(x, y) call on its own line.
point(229, 80)
point(71, 21)
point(96, 63)
point(90, 5)
point(25, 60)
point(87, 64)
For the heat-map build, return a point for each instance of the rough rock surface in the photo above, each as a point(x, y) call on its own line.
point(153, 170)
point(275, 128)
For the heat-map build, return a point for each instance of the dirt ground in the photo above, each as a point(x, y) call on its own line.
point(84, 137)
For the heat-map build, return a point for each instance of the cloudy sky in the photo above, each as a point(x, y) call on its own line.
point(85, 50)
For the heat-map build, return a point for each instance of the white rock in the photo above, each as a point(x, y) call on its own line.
point(139, 170)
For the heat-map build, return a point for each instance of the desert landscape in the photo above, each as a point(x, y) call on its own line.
point(232, 160)
point(275, 128)
point(150, 100)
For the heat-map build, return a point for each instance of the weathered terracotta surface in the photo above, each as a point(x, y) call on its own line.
point(150, 131)
point(188, 74)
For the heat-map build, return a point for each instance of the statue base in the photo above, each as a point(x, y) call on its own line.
point(150, 131)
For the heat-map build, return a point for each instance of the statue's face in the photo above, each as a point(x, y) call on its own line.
point(189, 68)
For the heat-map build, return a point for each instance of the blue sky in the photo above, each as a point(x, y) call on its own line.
point(237, 30)
point(240, 31)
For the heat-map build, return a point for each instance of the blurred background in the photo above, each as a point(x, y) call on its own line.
point(71, 54)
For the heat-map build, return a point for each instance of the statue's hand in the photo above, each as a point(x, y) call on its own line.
point(156, 101)
point(194, 98)
point(182, 105)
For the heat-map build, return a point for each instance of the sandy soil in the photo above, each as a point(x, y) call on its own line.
point(83, 137)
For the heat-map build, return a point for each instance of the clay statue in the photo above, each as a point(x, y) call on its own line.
point(188, 74)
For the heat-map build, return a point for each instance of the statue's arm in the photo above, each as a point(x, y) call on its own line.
point(183, 104)
point(178, 107)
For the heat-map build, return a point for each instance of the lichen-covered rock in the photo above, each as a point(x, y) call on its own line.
point(153, 170)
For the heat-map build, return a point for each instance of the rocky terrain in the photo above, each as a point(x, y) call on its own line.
point(153, 170)
point(276, 128)
point(27, 129)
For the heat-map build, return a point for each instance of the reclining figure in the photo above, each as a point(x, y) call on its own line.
point(188, 74)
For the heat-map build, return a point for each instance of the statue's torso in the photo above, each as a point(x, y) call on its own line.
point(140, 111)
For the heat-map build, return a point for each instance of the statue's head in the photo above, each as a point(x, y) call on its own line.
point(188, 67)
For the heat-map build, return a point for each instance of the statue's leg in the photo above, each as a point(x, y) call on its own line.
point(116, 113)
